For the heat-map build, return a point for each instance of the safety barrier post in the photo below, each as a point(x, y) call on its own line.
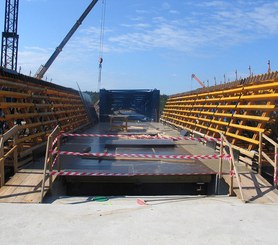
point(58, 156)
point(275, 182)
point(260, 153)
point(233, 170)
point(15, 154)
point(220, 163)
point(231, 190)
point(2, 170)
point(12, 133)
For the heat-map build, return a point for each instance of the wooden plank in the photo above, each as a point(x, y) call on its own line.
point(268, 159)
point(10, 133)
point(270, 140)
point(23, 187)
point(30, 184)
point(256, 189)
point(9, 191)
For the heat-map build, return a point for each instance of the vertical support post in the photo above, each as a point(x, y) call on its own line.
point(46, 162)
point(2, 160)
point(220, 163)
point(275, 176)
point(231, 191)
point(15, 153)
point(221, 159)
point(58, 149)
point(2, 172)
point(50, 160)
point(260, 153)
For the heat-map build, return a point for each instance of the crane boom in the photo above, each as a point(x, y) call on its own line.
point(42, 70)
point(198, 80)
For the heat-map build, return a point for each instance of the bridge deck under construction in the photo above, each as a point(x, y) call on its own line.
point(25, 186)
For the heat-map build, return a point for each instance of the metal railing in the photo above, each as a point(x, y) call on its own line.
point(12, 133)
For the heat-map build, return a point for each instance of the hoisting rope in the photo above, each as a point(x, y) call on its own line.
point(101, 37)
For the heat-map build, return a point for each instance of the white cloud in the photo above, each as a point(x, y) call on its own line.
point(207, 24)
point(224, 24)
point(31, 58)
point(215, 23)
point(265, 17)
point(166, 6)
point(174, 11)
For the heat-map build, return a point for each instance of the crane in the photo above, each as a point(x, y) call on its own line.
point(9, 47)
point(43, 68)
point(198, 80)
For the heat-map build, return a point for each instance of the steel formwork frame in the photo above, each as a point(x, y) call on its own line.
point(240, 112)
point(9, 46)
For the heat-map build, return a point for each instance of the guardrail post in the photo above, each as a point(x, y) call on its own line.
point(231, 191)
point(15, 154)
point(220, 163)
point(275, 176)
point(2, 170)
point(260, 153)
point(50, 161)
point(45, 166)
point(58, 149)
point(4, 137)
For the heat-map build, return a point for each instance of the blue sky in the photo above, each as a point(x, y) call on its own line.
point(149, 43)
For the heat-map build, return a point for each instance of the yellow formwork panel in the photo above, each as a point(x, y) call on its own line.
point(38, 107)
point(241, 109)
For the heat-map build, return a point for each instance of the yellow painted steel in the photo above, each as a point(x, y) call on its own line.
point(240, 109)
point(38, 108)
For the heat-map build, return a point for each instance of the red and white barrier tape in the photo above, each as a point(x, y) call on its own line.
point(154, 156)
point(88, 173)
point(55, 159)
point(53, 143)
point(141, 137)
point(232, 173)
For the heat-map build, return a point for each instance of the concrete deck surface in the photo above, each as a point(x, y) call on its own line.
point(121, 220)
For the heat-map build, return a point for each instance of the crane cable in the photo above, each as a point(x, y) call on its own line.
point(101, 37)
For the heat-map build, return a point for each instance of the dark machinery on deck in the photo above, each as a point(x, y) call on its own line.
point(138, 104)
